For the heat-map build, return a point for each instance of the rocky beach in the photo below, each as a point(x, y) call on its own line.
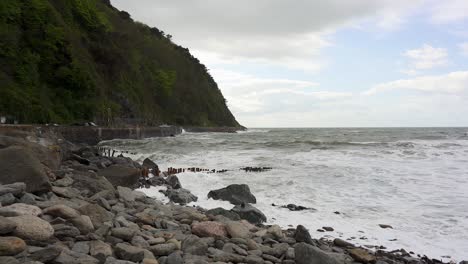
point(74, 203)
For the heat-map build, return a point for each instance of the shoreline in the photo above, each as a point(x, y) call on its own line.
point(105, 220)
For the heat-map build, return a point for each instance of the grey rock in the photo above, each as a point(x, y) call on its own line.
point(63, 230)
point(81, 247)
point(7, 199)
point(303, 235)
point(32, 228)
point(6, 226)
point(181, 196)
point(250, 213)
point(194, 245)
point(237, 230)
point(28, 198)
point(47, 254)
point(342, 243)
point(226, 213)
point(61, 210)
point(173, 181)
point(19, 164)
point(71, 257)
point(126, 194)
point(163, 249)
point(140, 242)
point(97, 214)
point(19, 209)
point(308, 254)
point(175, 258)
point(235, 194)
point(64, 182)
point(100, 250)
point(66, 192)
point(9, 260)
point(111, 260)
point(85, 180)
point(16, 188)
point(120, 175)
point(83, 223)
point(127, 252)
point(124, 233)
point(252, 259)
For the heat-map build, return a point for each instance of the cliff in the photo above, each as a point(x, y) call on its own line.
point(82, 60)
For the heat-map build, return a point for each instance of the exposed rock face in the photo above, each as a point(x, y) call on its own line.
point(250, 213)
point(120, 175)
point(235, 194)
point(18, 164)
point(32, 228)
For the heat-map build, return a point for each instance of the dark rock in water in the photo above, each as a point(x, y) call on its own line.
point(256, 169)
point(18, 164)
point(152, 166)
point(174, 182)
point(226, 213)
point(307, 254)
point(342, 243)
point(250, 213)
point(235, 194)
point(91, 182)
point(294, 207)
point(385, 226)
point(157, 181)
point(303, 235)
point(120, 175)
point(181, 196)
point(328, 228)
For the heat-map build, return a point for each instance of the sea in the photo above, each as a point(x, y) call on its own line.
point(414, 179)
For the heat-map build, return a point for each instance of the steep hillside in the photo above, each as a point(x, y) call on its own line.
point(80, 60)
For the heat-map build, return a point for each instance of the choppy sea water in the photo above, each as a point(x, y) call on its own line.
point(414, 179)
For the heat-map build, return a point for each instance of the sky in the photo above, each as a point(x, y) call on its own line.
point(335, 63)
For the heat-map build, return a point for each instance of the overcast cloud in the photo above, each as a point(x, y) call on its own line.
point(276, 59)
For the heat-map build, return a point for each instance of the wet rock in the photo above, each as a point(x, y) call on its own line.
point(120, 175)
point(237, 230)
point(6, 226)
point(181, 196)
point(173, 181)
point(327, 228)
point(127, 252)
point(10, 246)
point(250, 213)
point(32, 228)
point(236, 194)
point(342, 243)
point(361, 255)
point(194, 245)
point(17, 188)
point(20, 209)
point(149, 164)
point(209, 229)
point(293, 207)
point(19, 164)
point(308, 254)
point(226, 213)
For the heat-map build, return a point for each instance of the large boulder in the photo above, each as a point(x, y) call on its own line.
point(18, 164)
point(151, 165)
point(120, 175)
point(302, 235)
point(91, 182)
point(234, 193)
point(307, 254)
point(250, 213)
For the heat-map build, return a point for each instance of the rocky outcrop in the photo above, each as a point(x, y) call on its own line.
point(236, 194)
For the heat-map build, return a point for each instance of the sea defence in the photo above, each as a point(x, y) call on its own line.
point(93, 135)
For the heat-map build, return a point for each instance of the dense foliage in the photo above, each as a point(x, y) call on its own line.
point(81, 60)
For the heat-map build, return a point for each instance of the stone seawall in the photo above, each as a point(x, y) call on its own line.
point(93, 135)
